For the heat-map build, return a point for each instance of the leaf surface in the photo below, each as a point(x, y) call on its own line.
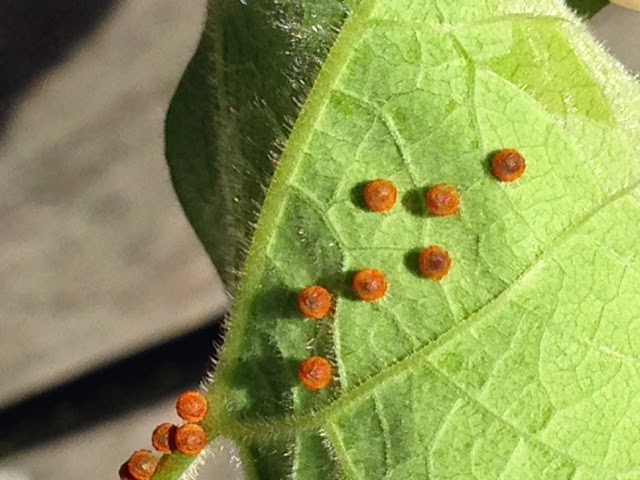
point(523, 362)
point(235, 105)
point(236, 101)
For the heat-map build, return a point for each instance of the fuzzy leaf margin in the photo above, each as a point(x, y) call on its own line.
point(233, 110)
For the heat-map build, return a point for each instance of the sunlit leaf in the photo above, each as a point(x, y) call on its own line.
point(521, 363)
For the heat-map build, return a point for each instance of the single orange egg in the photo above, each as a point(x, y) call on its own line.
point(443, 200)
point(370, 285)
point(123, 472)
point(434, 263)
point(508, 165)
point(190, 439)
point(192, 406)
point(164, 438)
point(380, 195)
point(315, 373)
point(142, 465)
point(315, 302)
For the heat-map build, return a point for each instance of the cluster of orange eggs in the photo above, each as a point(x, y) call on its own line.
point(188, 439)
point(315, 302)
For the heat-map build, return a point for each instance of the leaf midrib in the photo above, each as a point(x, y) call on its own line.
point(273, 208)
point(448, 27)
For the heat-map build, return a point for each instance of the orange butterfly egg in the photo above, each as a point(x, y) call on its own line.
point(380, 195)
point(370, 285)
point(123, 472)
point(142, 465)
point(315, 302)
point(434, 263)
point(315, 373)
point(190, 439)
point(443, 200)
point(164, 438)
point(192, 406)
point(508, 165)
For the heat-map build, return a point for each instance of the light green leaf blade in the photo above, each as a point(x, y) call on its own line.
point(523, 362)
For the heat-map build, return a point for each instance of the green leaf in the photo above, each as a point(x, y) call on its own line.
point(587, 8)
point(235, 103)
point(522, 363)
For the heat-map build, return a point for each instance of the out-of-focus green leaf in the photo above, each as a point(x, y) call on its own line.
point(587, 8)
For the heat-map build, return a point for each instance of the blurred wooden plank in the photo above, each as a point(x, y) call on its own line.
point(96, 257)
point(619, 30)
point(632, 4)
